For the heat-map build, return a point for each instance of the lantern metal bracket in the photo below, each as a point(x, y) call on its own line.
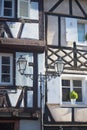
point(58, 65)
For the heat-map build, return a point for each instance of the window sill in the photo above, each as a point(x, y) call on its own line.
point(76, 105)
point(82, 43)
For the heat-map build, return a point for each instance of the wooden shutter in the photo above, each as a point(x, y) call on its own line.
point(71, 29)
point(23, 8)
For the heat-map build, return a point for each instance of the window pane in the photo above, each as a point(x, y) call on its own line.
point(5, 60)
point(5, 78)
point(81, 32)
point(8, 8)
point(65, 94)
point(79, 91)
point(6, 69)
point(7, 4)
point(7, 12)
point(77, 83)
point(65, 82)
point(24, 8)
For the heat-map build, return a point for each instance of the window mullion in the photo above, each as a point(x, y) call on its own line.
point(71, 85)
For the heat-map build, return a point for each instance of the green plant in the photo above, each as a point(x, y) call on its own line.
point(86, 36)
point(73, 95)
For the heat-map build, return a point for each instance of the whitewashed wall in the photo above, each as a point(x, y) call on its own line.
point(22, 80)
point(54, 90)
point(41, 69)
point(34, 13)
point(71, 30)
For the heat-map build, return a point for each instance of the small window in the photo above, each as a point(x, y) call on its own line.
point(6, 8)
point(23, 8)
point(81, 32)
point(6, 69)
point(69, 85)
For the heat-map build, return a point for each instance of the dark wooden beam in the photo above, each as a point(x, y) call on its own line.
point(56, 5)
point(41, 20)
point(6, 28)
point(27, 45)
point(81, 8)
point(20, 30)
point(66, 15)
point(70, 7)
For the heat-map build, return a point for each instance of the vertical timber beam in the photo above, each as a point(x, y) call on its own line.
point(70, 7)
point(41, 21)
point(35, 82)
point(75, 55)
point(46, 27)
point(59, 31)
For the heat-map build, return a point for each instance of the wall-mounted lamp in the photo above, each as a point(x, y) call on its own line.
point(22, 63)
point(59, 65)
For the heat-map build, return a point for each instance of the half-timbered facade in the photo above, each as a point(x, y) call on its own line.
point(65, 33)
point(21, 34)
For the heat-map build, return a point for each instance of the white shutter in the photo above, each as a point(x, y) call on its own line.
point(23, 8)
point(71, 29)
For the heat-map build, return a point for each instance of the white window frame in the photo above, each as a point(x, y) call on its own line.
point(11, 68)
point(2, 10)
point(81, 24)
point(27, 12)
point(71, 79)
point(84, 43)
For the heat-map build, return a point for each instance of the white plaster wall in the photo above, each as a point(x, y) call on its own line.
point(52, 32)
point(14, 97)
point(41, 69)
point(29, 125)
point(63, 32)
point(34, 13)
point(14, 27)
point(21, 80)
point(54, 91)
point(48, 4)
point(30, 30)
point(30, 99)
point(71, 30)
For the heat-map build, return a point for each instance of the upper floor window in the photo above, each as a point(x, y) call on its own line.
point(68, 85)
point(81, 32)
point(76, 30)
point(6, 8)
point(6, 68)
point(24, 8)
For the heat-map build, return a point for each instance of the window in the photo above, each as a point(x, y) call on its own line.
point(5, 69)
point(23, 8)
point(6, 8)
point(69, 85)
point(81, 32)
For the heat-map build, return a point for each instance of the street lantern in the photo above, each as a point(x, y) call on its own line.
point(59, 65)
point(22, 63)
